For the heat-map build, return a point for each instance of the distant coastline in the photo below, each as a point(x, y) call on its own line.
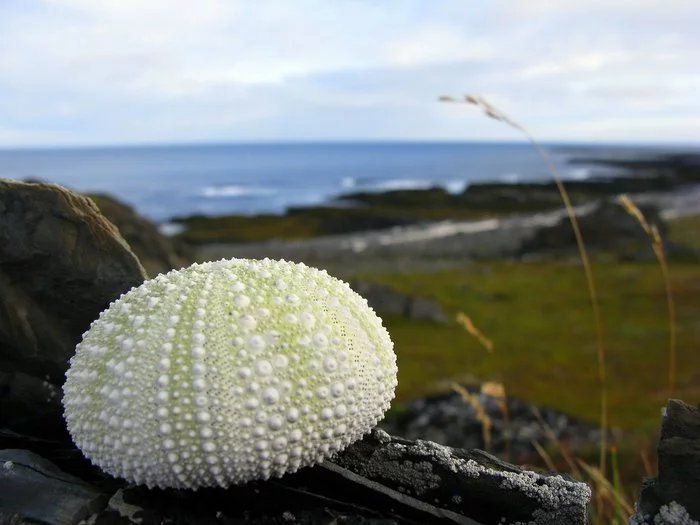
point(354, 212)
point(166, 181)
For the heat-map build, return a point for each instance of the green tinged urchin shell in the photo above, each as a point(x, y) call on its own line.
point(226, 372)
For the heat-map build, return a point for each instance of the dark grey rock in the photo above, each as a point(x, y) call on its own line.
point(450, 420)
point(607, 227)
point(419, 308)
point(33, 490)
point(61, 264)
point(673, 496)
point(385, 300)
point(157, 253)
point(30, 405)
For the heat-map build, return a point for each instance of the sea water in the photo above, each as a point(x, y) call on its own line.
point(162, 182)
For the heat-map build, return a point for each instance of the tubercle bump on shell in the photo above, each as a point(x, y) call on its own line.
point(226, 372)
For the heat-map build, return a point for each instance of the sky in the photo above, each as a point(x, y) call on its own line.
point(93, 72)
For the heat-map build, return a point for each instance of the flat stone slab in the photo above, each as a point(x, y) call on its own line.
point(34, 489)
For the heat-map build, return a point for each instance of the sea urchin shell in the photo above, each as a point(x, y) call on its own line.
point(226, 372)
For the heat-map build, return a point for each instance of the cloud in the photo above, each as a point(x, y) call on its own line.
point(605, 7)
point(172, 70)
point(678, 128)
point(436, 44)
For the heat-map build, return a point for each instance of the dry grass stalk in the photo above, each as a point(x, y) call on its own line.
point(657, 245)
point(489, 388)
point(481, 416)
point(545, 456)
point(570, 461)
point(493, 112)
point(631, 208)
point(495, 390)
point(467, 324)
point(644, 455)
point(608, 497)
point(606, 489)
point(498, 392)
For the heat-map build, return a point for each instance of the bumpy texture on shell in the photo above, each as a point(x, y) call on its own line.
point(226, 372)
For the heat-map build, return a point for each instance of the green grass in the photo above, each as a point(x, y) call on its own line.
point(686, 230)
point(539, 318)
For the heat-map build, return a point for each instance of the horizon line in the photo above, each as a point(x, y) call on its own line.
point(330, 142)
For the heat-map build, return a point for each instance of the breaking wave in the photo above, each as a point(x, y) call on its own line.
point(235, 191)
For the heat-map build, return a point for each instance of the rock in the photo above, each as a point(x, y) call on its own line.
point(379, 480)
point(672, 250)
point(450, 420)
point(469, 483)
point(157, 253)
point(30, 405)
point(608, 227)
point(386, 300)
point(421, 309)
point(383, 299)
point(61, 264)
point(33, 489)
point(672, 496)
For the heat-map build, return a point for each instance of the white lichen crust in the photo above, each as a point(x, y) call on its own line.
point(226, 372)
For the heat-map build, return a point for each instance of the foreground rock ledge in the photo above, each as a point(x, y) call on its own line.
point(378, 480)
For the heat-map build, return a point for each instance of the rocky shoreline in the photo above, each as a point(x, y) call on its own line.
point(436, 230)
point(662, 174)
point(445, 244)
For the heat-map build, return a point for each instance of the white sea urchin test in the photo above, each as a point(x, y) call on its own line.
point(226, 372)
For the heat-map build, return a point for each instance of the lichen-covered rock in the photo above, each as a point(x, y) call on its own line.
point(228, 371)
point(467, 482)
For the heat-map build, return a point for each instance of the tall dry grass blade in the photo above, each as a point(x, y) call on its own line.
point(468, 325)
point(657, 246)
point(671, 305)
point(631, 208)
point(493, 112)
point(481, 415)
point(490, 388)
point(549, 432)
point(497, 391)
point(617, 485)
point(544, 455)
point(644, 455)
point(607, 488)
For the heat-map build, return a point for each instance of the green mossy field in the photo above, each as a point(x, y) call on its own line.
point(686, 230)
point(539, 317)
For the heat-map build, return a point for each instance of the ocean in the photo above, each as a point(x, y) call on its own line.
point(162, 182)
